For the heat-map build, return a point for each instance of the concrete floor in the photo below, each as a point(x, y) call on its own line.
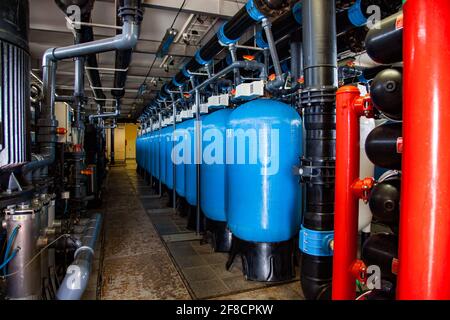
point(141, 262)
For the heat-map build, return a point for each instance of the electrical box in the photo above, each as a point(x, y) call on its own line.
point(250, 90)
point(220, 101)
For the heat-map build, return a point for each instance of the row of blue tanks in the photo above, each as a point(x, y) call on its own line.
point(249, 195)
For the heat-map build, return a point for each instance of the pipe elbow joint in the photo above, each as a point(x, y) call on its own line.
point(276, 84)
point(48, 57)
point(129, 37)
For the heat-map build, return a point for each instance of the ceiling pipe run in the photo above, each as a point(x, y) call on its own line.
point(85, 34)
point(229, 33)
point(47, 123)
point(124, 57)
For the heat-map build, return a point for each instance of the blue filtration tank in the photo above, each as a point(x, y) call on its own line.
point(154, 147)
point(180, 139)
point(139, 154)
point(191, 168)
point(145, 158)
point(191, 179)
point(264, 142)
point(162, 155)
point(212, 179)
point(148, 154)
point(169, 162)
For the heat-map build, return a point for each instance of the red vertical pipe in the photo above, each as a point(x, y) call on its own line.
point(346, 203)
point(424, 247)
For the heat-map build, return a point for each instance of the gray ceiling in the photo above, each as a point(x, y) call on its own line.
point(48, 29)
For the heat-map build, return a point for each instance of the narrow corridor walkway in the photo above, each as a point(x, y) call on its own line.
point(145, 255)
point(136, 264)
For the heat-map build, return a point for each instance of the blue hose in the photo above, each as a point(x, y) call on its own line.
point(8, 260)
point(10, 242)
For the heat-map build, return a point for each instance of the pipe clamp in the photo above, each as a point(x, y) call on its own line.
point(316, 243)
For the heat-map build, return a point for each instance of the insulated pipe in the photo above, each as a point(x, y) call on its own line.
point(228, 33)
point(350, 106)
point(318, 162)
point(123, 57)
point(92, 65)
point(296, 56)
point(78, 273)
point(425, 191)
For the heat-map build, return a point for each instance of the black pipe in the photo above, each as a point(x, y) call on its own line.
point(353, 18)
point(359, 13)
point(232, 30)
point(384, 44)
point(123, 57)
point(296, 57)
point(318, 101)
point(92, 72)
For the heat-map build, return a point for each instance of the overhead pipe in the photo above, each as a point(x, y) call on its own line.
point(350, 107)
point(78, 91)
point(77, 276)
point(355, 17)
point(86, 34)
point(424, 220)
point(91, 63)
point(123, 57)
point(230, 32)
point(114, 114)
point(318, 163)
point(47, 124)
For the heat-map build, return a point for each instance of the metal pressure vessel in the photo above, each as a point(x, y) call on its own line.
point(212, 178)
point(264, 143)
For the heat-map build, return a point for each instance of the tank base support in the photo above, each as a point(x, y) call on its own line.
point(219, 235)
point(265, 261)
point(192, 219)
